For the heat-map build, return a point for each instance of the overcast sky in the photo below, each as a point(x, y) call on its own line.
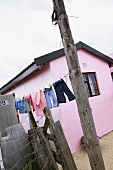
point(26, 30)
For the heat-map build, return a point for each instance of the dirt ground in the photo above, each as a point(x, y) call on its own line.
point(106, 144)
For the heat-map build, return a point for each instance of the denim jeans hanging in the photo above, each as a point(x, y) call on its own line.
point(50, 97)
point(61, 88)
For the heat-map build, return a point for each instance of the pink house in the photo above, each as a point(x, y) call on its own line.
point(96, 68)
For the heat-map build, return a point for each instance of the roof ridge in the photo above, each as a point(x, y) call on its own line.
point(47, 58)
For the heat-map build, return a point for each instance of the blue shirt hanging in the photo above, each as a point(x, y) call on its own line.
point(16, 104)
point(22, 107)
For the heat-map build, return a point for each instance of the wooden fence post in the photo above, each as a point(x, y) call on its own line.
point(16, 110)
point(47, 148)
point(64, 148)
point(32, 121)
point(38, 149)
point(60, 142)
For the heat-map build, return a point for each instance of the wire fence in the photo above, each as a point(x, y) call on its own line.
point(31, 160)
point(23, 120)
point(44, 166)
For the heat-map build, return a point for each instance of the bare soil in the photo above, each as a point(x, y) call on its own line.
point(106, 144)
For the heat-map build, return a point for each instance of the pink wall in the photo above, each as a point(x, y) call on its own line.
point(68, 112)
point(34, 82)
point(111, 69)
point(102, 105)
point(30, 85)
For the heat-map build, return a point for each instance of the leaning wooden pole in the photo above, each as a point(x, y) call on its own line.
point(84, 109)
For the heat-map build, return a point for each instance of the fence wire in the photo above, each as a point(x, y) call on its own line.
point(26, 157)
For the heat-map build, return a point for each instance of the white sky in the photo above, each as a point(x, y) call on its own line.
point(26, 30)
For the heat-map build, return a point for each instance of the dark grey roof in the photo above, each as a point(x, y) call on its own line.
point(39, 61)
point(23, 74)
point(80, 45)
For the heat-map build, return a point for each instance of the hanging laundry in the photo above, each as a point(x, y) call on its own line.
point(50, 97)
point(16, 104)
point(31, 101)
point(60, 88)
point(39, 102)
point(22, 107)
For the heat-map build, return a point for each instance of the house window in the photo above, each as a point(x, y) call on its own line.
point(90, 84)
point(112, 75)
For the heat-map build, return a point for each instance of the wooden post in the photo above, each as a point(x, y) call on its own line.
point(38, 149)
point(84, 109)
point(16, 110)
point(47, 148)
point(60, 142)
point(64, 148)
point(31, 117)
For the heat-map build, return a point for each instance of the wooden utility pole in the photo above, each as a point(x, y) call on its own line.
point(85, 113)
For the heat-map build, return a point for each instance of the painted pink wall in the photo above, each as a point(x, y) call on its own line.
point(30, 85)
point(102, 105)
point(111, 69)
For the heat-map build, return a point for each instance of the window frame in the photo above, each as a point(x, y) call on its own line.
point(88, 83)
point(112, 76)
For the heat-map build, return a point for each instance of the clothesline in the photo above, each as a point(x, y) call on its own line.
point(50, 84)
point(47, 97)
point(68, 73)
point(28, 117)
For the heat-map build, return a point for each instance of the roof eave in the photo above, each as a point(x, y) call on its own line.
point(39, 61)
point(24, 74)
point(80, 45)
point(97, 53)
